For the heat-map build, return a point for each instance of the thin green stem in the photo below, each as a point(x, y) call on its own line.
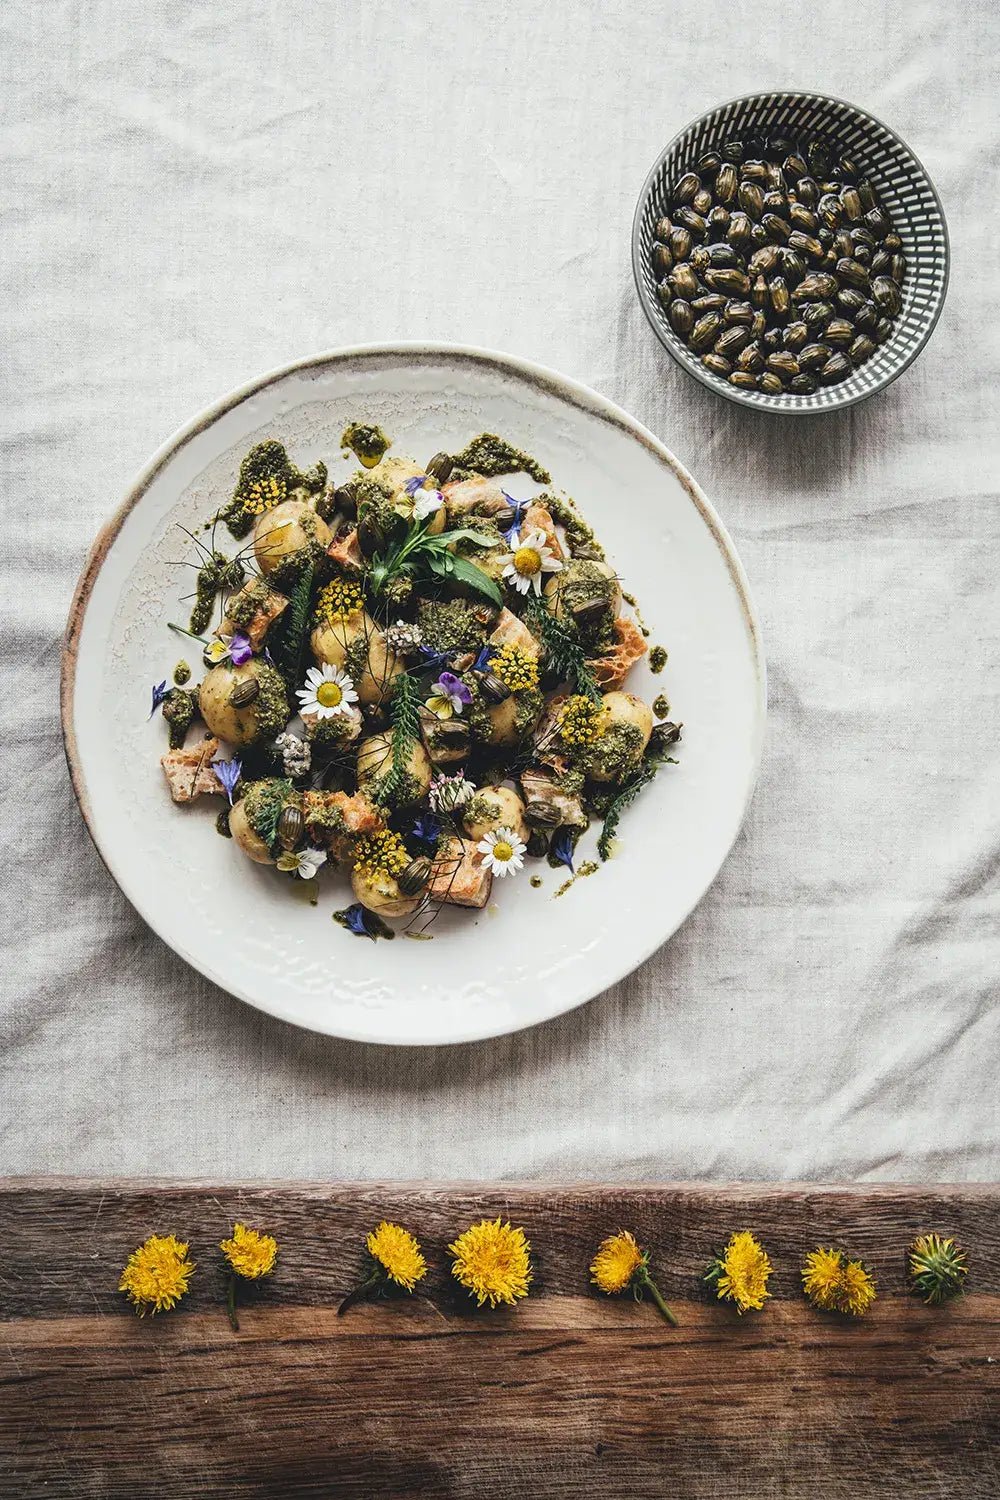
point(648, 1284)
point(361, 1290)
point(231, 1303)
point(189, 633)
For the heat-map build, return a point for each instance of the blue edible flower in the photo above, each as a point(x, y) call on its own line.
point(562, 846)
point(159, 693)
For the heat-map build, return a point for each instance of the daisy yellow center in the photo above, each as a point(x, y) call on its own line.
point(329, 695)
point(527, 561)
point(503, 851)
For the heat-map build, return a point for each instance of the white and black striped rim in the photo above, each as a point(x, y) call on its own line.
point(899, 178)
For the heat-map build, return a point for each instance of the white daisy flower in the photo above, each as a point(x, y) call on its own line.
point(304, 862)
point(425, 503)
point(328, 691)
point(530, 557)
point(502, 851)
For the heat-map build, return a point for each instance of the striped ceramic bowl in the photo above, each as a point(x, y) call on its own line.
point(898, 177)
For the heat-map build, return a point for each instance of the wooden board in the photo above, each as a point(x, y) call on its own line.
point(571, 1394)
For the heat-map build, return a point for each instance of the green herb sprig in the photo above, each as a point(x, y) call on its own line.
point(564, 650)
point(625, 796)
point(404, 717)
point(420, 554)
point(292, 630)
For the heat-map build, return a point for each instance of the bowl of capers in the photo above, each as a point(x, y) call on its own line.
point(790, 252)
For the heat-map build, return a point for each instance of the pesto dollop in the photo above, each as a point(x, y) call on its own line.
point(491, 456)
point(366, 441)
point(182, 673)
point(657, 659)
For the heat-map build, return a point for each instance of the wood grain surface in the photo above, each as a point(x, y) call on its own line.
point(571, 1394)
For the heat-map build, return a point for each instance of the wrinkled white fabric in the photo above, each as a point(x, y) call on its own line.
point(194, 192)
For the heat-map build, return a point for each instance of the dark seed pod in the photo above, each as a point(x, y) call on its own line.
point(883, 328)
point(740, 228)
point(709, 302)
point(866, 317)
point(441, 465)
point(538, 843)
point(738, 312)
point(759, 324)
point(245, 693)
point(731, 341)
point(843, 243)
point(743, 380)
point(445, 740)
point(718, 221)
point(850, 300)
point(796, 336)
point(750, 359)
point(802, 385)
point(753, 171)
point(758, 236)
point(345, 499)
point(885, 294)
point(825, 237)
point(807, 191)
point(814, 356)
point(817, 286)
point(793, 267)
point(770, 383)
point(779, 296)
point(805, 244)
point(751, 199)
point(847, 167)
point(836, 368)
point(708, 163)
point(817, 314)
point(694, 222)
point(852, 271)
point(771, 342)
point(416, 875)
point(727, 279)
point(867, 194)
point(898, 269)
point(725, 183)
point(758, 292)
point(732, 151)
point(681, 317)
point(779, 229)
point(863, 256)
point(892, 242)
point(721, 256)
point(664, 293)
point(503, 519)
point(495, 691)
point(717, 364)
point(783, 363)
point(776, 178)
point(839, 332)
point(684, 281)
point(699, 260)
point(861, 349)
point(371, 537)
point(705, 331)
point(851, 199)
point(291, 826)
point(685, 188)
point(860, 236)
point(702, 201)
point(662, 231)
point(680, 243)
point(831, 211)
point(881, 263)
point(802, 218)
point(541, 814)
point(762, 262)
point(776, 203)
point(588, 613)
point(819, 158)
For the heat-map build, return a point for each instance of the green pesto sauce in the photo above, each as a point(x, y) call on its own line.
point(242, 607)
point(366, 441)
point(615, 754)
point(631, 599)
point(179, 708)
point(267, 460)
point(587, 868)
point(182, 673)
point(491, 456)
point(657, 659)
point(536, 882)
point(356, 657)
point(263, 801)
point(327, 733)
point(271, 704)
point(661, 706)
point(530, 702)
point(578, 533)
point(578, 583)
point(205, 589)
point(449, 625)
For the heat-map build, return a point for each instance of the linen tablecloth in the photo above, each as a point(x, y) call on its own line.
point(195, 192)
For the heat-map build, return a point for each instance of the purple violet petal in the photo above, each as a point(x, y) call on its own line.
point(412, 485)
point(240, 649)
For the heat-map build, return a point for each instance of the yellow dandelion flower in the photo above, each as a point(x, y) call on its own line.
point(250, 1253)
point(834, 1282)
point(616, 1262)
point(492, 1261)
point(938, 1268)
point(581, 722)
point(381, 854)
point(156, 1275)
point(620, 1265)
point(740, 1273)
point(263, 495)
point(516, 668)
point(398, 1253)
point(339, 600)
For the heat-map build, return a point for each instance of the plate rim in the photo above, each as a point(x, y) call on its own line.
point(554, 383)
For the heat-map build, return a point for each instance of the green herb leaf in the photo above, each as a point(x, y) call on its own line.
point(625, 797)
point(291, 631)
point(563, 649)
point(404, 717)
point(466, 572)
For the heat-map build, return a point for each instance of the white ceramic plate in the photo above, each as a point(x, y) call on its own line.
point(528, 956)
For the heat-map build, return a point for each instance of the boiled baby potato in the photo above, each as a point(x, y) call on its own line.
point(379, 665)
point(495, 807)
point(286, 529)
point(392, 474)
point(629, 724)
point(375, 762)
point(504, 726)
point(250, 842)
point(583, 580)
point(381, 894)
point(253, 716)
